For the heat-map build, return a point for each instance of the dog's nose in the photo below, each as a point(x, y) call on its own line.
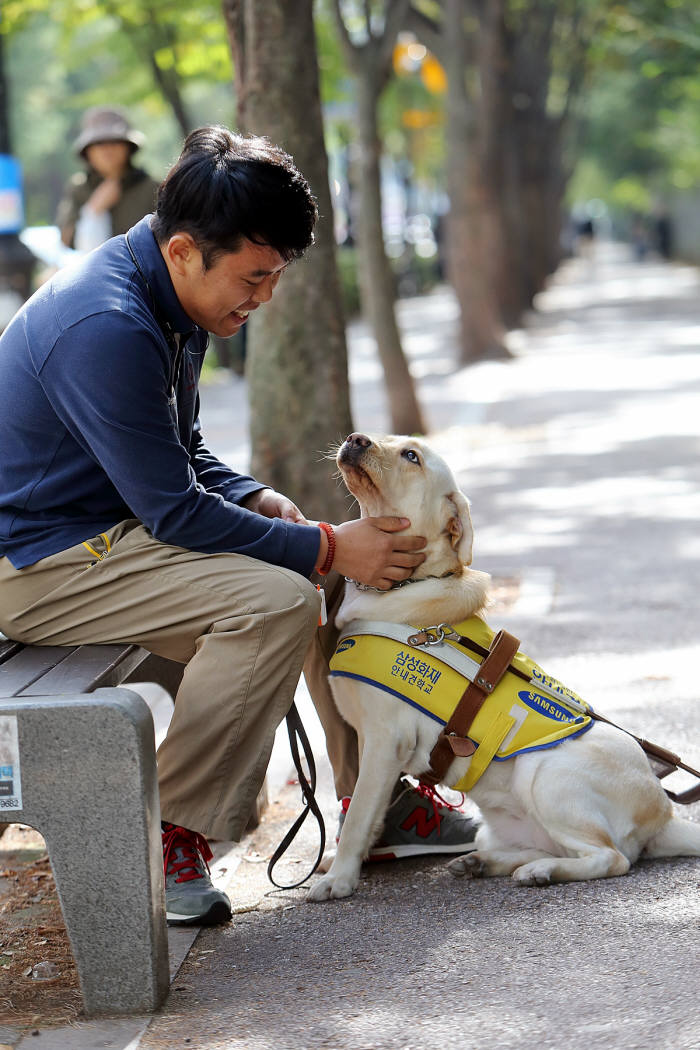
point(358, 441)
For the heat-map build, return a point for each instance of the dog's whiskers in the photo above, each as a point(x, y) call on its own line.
point(332, 451)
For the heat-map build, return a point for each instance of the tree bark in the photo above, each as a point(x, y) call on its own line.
point(297, 356)
point(543, 35)
point(536, 146)
point(377, 283)
point(370, 62)
point(506, 176)
point(495, 135)
point(473, 236)
point(5, 136)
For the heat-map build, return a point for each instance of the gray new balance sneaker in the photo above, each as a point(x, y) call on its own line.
point(419, 821)
point(190, 898)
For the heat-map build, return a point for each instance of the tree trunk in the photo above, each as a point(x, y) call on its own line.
point(535, 144)
point(371, 63)
point(496, 136)
point(376, 278)
point(539, 32)
point(297, 357)
point(506, 177)
point(472, 234)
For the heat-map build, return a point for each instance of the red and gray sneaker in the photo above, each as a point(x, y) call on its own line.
point(190, 897)
point(419, 821)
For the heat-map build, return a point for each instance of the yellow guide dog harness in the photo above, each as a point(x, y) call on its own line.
point(429, 668)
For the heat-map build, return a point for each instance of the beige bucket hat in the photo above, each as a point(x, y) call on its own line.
point(103, 124)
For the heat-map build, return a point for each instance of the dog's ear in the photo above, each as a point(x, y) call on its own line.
point(459, 527)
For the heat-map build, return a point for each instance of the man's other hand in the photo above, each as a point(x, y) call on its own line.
point(273, 504)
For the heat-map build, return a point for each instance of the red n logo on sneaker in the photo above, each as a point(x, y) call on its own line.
point(423, 823)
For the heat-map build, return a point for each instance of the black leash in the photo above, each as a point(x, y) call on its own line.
point(295, 728)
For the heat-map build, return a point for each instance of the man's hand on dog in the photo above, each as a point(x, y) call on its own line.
point(367, 550)
point(370, 551)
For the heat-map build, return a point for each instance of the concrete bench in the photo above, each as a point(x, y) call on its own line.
point(87, 782)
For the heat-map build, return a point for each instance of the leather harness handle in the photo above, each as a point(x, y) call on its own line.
point(684, 798)
point(452, 740)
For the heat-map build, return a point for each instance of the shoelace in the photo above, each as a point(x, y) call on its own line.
point(429, 793)
point(195, 851)
point(437, 801)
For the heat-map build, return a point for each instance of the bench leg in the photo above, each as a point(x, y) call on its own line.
point(89, 786)
point(165, 673)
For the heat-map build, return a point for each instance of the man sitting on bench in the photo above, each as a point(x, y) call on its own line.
point(118, 525)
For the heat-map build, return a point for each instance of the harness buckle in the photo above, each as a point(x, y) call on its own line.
point(425, 636)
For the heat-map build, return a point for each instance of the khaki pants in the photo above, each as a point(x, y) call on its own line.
point(241, 626)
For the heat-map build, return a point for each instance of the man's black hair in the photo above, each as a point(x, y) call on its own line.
point(226, 187)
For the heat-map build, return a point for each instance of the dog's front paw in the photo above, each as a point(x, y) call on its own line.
point(470, 864)
point(536, 873)
point(332, 887)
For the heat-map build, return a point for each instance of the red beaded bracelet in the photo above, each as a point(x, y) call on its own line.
point(330, 533)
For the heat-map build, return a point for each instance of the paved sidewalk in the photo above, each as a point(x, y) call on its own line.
point(581, 458)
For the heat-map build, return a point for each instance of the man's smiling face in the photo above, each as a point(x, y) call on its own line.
point(219, 299)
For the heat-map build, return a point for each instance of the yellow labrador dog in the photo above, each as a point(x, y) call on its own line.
point(585, 809)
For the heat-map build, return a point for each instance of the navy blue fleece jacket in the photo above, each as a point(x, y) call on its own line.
point(99, 420)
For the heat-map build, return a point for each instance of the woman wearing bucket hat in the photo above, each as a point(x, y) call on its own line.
point(111, 195)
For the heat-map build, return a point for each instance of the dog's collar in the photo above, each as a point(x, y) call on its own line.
point(397, 583)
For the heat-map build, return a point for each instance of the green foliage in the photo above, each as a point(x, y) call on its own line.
point(66, 55)
point(630, 194)
point(638, 115)
point(335, 85)
point(641, 108)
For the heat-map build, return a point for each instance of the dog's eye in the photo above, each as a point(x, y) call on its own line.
point(411, 455)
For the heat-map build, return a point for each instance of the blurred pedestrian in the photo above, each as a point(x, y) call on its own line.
point(111, 194)
point(664, 233)
point(640, 236)
point(585, 231)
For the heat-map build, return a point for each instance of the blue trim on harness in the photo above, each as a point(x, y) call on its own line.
point(544, 747)
point(440, 721)
point(387, 689)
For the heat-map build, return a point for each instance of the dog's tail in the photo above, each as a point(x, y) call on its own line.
point(677, 838)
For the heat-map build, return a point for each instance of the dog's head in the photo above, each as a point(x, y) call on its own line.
point(403, 476)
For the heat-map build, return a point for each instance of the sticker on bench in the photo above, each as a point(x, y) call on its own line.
point(10, 780)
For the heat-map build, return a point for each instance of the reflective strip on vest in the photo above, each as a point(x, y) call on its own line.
point(544, 712)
